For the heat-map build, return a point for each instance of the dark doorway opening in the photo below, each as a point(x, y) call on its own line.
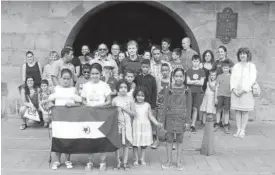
point(123, 21)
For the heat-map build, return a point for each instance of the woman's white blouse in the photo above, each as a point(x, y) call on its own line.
point(243, 76)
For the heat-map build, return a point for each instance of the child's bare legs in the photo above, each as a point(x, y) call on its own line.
point(142, 158)
point(226, 120)
point(179, 151)
point(194, 116)
point(204, 115)
point(135, 149)
point(218, 119)
point(239, 122)
point(125, 154)
point(156, 142)
point(89, 165)
point(169, 147)
point(57, 156)
point(244, 123)
point(24, 120)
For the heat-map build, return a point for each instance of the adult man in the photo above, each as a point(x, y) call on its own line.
point(166, 53)
point(105, 59)
point(85, 58)
point(115, 49)
point(64, 62)
point(187, 53)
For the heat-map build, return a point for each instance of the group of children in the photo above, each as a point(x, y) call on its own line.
point(171, 103)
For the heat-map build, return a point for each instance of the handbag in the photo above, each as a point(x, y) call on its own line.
point(31, 114)
point(256, 90)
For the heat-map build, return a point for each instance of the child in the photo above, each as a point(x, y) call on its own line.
point(195, 79)
point(147, 81)
point(176, 62)
point(129, 77)
point(121, 56)
point(45, 107)
point(84, 78)
point(47, 71)
point(142, 130)
point(208, 108)
point(162, 86)
point(126, 110)
point(146, 55)
point(166, 53)
point(108, 77)
point(96, 93)
point(64, 95)
point(177, 106)
point(223, 96)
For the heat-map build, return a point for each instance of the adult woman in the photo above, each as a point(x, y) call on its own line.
point(207, 65)
point(222, 55)
point(29, 95)
point(32, 68)
point(243, 77)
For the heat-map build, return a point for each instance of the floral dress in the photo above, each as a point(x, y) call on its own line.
point(124, 119)
point(208, 102)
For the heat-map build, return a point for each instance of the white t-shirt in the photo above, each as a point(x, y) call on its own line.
point(95, 93)
point(62, 95)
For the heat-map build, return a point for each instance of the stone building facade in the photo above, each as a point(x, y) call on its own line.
point(45, 26)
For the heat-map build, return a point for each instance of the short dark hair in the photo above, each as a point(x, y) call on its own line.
point(122, 81)
point(86, 66)
point(63, 71)
point(137, 90)
point(65, 50)
point(157, 47)
point(226, 62)
point(196, 57)
point(145, 61)
point(168, 40)
point(96, 66)
point(130, 71)
point(44, 81)
point(204, 54)
point(29, 52)
point(223, 47)
point(177, 51)
point(165, 65)
point(246, 51)
point(146, 51)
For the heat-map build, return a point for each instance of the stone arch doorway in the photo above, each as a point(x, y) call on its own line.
point(121, 21)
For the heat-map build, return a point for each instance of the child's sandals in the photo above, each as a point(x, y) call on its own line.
point(118, 166)
point(136, 163)
point(69, 164)
point(23, 126)
point(89, 166)
point(143, 163)
point(166, 165)
point(55, 165)
point(126, 167)
point(179, 167)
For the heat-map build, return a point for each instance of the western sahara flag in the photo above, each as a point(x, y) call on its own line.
point(85, 129)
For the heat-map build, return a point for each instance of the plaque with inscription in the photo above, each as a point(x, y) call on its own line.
point(226, 25)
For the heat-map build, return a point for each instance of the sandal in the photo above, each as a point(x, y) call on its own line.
point(126, 167)
point(166, 165)
point(55, 165)
point(142, 162)
point(242, 134)
point(179, 167)
point(23, 126)
point(89, 166)
point(118, 166)
point(69, 164)
point(237, 133)
point(102, 166)
point(135, 163)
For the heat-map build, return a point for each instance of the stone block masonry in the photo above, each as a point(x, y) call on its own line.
point(45, 26)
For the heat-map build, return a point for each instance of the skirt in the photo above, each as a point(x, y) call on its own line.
point(246, 102)
point(208, 142)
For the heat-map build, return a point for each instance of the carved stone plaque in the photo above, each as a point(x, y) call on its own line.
point(226, 25)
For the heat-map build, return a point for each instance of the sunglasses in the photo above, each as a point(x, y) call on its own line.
point(102, 49)
point(86, 72)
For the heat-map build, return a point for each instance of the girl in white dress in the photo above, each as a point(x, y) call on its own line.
point(126, 110)
point(64, 95)
point(142, 130)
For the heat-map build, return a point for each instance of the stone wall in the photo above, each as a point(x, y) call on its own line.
point(45, 26)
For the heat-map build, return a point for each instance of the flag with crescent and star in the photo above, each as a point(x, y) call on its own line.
point(85, 129)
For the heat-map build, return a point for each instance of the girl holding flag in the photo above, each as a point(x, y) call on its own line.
point(63, 95)
point(96, 93)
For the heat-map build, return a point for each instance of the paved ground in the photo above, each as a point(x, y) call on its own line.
point(27, 152)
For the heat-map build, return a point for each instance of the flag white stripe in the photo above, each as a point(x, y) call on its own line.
point(76, 130)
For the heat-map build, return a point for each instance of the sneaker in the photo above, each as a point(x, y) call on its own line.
point(69, 164)
point(237, 133)
point(217, 127)
point(226, 129)
point(166, 165)
point(102, 166)
point(174, 146)
point(242, 134)
point(193, 129)
point(55, 165)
